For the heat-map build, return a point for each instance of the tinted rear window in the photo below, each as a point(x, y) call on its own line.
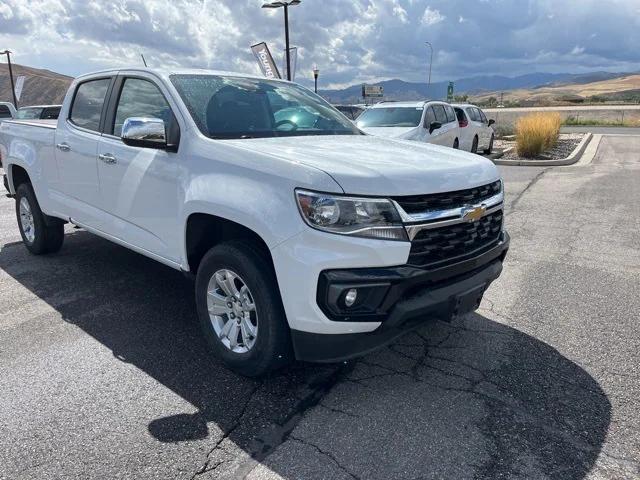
point(5, 112)
point(390, 117)
point(51, 113)
point(88, 102)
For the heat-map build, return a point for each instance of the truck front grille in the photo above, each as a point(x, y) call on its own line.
point(444, 245)
point(442, 201)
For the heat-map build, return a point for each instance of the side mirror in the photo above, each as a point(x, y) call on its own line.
point(491, 122)
point(434, 126)
point(144, 132)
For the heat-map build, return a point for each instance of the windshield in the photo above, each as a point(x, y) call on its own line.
point(235, 107)
point(28, 113)
point(390, 117)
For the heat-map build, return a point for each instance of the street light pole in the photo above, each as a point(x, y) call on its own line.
point(316, 72)
point(286, 4)
point(430, 63)
point(13, 87)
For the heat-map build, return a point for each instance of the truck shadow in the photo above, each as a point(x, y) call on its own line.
point(476, 398)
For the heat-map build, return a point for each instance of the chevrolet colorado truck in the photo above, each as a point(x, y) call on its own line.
point(307, 238)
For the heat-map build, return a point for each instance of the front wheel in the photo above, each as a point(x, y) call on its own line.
point(240, 309)
point(40, 234)
point(474, 145)
point(456, 144)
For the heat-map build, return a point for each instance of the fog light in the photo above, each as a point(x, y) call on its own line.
point(350, 297)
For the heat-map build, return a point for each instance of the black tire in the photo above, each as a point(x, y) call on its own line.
point(48, 233)
point(474, 145)
point(489, 150)
point(272, 348)
point(456, 144)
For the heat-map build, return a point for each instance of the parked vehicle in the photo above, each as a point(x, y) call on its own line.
point(352, 112)
point(476, 132)
point(7, 112)
point(39, 112)
point(428, 122)
point(313, 242)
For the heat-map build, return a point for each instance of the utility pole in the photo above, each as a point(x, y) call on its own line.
point(316, 73)
point(430, 63)
point(286, 4)
point(13, 86)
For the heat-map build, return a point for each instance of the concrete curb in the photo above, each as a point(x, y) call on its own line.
point(570, 160)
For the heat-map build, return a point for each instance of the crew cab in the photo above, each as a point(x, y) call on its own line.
point(428, 122)
point(311, 241)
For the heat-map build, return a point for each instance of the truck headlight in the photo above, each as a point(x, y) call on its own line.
point(355, 216)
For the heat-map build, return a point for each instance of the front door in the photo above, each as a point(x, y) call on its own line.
point(139, 186)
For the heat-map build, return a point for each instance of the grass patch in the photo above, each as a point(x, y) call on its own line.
point(591, 122)
point(536, 133)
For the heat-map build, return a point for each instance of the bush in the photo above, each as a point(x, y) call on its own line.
point(536, 133)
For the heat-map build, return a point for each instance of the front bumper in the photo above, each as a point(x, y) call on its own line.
point(402, 299)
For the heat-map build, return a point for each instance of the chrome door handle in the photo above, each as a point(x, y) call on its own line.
point(63, 147)
point(107, 158)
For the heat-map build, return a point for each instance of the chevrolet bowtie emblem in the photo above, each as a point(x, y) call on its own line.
point(472, 214)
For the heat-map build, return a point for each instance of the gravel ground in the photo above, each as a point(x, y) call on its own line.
point(566, 144)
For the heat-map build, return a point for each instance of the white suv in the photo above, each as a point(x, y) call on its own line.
point(476, 132)
point(428, 122)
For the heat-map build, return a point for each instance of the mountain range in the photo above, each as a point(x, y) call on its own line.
point(46, 87)
point(401, 90)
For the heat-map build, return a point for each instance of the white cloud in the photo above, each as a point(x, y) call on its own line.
point(431, 16)
point(351, 42)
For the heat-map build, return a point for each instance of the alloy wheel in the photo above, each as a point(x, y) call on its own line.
point(232, 311)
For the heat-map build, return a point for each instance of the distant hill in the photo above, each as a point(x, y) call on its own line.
point(622, 88)
point(41, 87)
point(401, 90)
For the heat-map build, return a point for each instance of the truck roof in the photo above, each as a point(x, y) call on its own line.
point(166, 72)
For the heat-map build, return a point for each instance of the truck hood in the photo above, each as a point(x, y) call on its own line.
point(366, 165)
point(389, 132)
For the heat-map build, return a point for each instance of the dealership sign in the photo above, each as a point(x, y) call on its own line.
point(372, 91)
point(265, 60)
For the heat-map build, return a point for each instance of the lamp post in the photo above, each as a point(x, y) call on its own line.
point(13, 87)
point(316, 72)
point(285, 4)
point(430, 63)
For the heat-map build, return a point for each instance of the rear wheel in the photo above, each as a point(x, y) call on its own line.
point(456, 144)
point(474, 145)
point(240, 309)
point(489, 150)
point(40, 234)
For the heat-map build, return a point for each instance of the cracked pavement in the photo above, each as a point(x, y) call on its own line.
point(103, 373)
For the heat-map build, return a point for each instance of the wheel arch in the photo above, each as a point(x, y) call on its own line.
point(17, 175)
point(203, 231)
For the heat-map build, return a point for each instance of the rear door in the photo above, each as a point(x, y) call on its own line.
point(486, 130)
point(140, 186)
point(452, 128)
point(76, 152)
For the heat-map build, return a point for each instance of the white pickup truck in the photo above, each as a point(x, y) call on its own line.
point(307, 238)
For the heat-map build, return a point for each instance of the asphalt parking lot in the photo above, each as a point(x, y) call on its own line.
point(103, 373)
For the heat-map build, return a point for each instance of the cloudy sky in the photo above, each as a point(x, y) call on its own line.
point(351, 41)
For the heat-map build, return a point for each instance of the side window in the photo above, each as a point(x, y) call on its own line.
point(5, 112)
point(87, 104)
point(51, 113)
point(441, 115)
point(451, 114)
point(430, 117)
point(483, 116)
point(141, 98)
point(473, 113)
